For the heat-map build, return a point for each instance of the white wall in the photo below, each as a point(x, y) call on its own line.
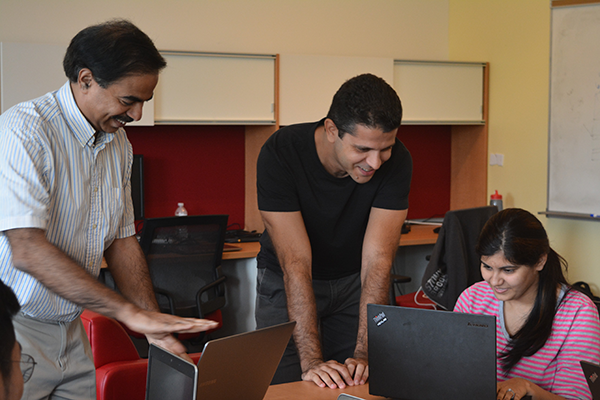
point(412, 29)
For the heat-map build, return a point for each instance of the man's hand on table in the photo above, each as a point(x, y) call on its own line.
point(334, 375)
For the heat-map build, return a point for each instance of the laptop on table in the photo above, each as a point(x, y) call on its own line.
point(592, 377)
point(169, 376)
point(420, 354)
point(231, 368)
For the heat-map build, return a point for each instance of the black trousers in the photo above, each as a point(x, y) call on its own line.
point(337, 313)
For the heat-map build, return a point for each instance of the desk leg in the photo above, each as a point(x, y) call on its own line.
point(238, 314)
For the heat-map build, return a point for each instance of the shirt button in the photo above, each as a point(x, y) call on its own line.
point(94, 226)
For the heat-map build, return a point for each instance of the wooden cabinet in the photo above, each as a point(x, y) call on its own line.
point(308, 82)
point(448, 93)
point(216, 88)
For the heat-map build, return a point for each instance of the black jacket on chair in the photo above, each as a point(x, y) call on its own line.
point(454, 264)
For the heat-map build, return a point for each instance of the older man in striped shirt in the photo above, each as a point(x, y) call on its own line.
point(65, 202)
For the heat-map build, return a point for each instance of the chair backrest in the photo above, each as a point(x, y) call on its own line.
point(109, 341)
point(184, 259)
point(454, 264)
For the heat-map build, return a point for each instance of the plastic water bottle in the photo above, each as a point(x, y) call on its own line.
point(181, 211)
point(496, 200)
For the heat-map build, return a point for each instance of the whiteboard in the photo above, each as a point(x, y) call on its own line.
point(574, 123)
point(440, 92)
point(216, 88)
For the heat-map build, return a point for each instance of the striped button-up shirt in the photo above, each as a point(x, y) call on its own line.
point(56, 174)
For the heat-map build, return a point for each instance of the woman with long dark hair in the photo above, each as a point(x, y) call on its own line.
point(544, 328)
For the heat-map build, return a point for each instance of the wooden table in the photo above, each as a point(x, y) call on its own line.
point(248, 250)
point(310, 391)
point(419, 234)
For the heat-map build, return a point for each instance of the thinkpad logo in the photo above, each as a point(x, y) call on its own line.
point(380, 318)
point(475, 324)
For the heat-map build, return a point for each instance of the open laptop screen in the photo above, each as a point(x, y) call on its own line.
point(169, 377)
point(426, 354)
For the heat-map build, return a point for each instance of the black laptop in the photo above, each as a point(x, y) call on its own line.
point(419, 354)
point(592, 377)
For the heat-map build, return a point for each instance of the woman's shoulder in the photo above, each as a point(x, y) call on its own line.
point(576, 301)
point(577, 313)
point(481, 288)
point(477, 298)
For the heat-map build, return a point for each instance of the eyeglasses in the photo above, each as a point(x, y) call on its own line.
point(27, 365)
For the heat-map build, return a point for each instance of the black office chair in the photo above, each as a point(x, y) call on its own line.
point(184, 258)
point(454, 264)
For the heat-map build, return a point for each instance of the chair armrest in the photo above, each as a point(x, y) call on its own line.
point(400, 278)
point(169, 299)
point(212, 305)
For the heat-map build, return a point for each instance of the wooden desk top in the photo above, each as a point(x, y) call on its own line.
point(308, 390)
point(249, 250)
point(419, 234)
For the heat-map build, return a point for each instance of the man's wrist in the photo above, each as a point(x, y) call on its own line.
point(361, 353)
point(127, 312)
point(310, 364)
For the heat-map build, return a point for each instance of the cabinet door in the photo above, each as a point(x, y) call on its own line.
point(30, 70)
point(308, 82)
point(214, 88)
point(440, 92)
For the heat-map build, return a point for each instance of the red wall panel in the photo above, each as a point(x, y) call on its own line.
point(201, 166)
point(429, 146)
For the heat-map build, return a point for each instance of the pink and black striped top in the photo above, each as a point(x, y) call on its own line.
point(555, 367)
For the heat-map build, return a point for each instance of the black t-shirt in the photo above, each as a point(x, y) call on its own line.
point(290, 177)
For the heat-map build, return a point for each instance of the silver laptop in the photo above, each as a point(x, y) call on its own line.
point(418, 354)
point(169, 377)
point(231, 368)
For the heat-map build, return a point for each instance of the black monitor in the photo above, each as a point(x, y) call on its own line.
point(137, 186)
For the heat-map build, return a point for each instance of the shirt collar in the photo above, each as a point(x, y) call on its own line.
point(83, 131)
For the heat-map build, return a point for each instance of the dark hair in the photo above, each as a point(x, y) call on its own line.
point(112, 50)
point(9, 306)
point(520, 236)
point(367, 100)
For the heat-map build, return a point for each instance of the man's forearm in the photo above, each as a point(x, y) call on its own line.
point(302, 308)
point(375, 290)
point(33, 254)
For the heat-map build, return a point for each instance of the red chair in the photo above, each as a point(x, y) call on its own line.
point(416, 299)
point(120, 372)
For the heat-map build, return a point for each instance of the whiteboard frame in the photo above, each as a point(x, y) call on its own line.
point(563, 208)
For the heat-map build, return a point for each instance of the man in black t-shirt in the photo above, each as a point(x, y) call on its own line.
point(333, 196)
